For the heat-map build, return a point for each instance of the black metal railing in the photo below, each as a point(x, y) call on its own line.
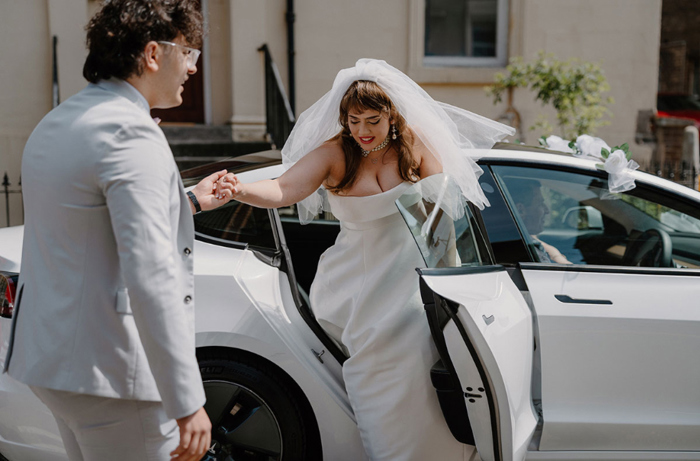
point(278, 111)
point(7, 192)
point(55, 94)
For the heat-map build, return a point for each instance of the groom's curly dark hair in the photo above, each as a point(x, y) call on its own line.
point(119, 32)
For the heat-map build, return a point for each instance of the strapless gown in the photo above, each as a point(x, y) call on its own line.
point(365, 295)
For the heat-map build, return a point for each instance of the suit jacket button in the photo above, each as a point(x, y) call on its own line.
point(187, 251)
point(188, 299)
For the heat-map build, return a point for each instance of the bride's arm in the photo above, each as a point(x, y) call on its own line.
point(297, 183)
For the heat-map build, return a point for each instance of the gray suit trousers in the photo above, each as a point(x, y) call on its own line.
point(97, 428)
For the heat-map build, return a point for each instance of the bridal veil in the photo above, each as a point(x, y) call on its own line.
point(449, 132)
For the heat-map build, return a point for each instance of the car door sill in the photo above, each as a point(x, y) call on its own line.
point(613, 455)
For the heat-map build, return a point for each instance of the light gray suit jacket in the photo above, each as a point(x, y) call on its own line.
point(106, 291)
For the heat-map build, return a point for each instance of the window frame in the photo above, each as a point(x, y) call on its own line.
point(640, 184)
point(471, 75)
point(267, 251)
point(521, 244)
point(501, 58)
point(475, 223)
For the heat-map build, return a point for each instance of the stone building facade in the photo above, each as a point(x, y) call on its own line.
point(452, 48)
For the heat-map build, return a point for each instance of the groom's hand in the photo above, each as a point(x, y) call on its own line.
point(211, 192)
point(195, 437)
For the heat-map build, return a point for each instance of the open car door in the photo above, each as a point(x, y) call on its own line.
point(480, 323)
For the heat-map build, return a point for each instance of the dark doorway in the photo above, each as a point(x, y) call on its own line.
point(192, 108)
point(679, 63)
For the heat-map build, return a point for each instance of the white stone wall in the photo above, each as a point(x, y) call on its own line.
point(25, 86)
point(621, 35)
point(220, 60)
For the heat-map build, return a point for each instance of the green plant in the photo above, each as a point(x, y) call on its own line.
point(573, 88)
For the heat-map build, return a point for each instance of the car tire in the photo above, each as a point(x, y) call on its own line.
point(257, 411)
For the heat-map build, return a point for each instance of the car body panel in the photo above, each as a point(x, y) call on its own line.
point(498, 323)
point(225, 318)
point(28, 430)
point(612, 456)
point(11, 239)
point(244, 303)
point(619, 361)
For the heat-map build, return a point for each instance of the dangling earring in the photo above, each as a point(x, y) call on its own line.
point(393, 131)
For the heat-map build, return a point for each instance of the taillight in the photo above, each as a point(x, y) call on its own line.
point(8, 292)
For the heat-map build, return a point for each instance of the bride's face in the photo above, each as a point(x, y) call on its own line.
point(369, 128)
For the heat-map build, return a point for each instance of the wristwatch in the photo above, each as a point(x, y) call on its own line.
point(194, 201)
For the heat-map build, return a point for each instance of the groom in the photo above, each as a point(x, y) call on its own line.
point(104, 323)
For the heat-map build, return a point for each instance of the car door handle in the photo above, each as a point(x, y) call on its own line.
point(569, 300)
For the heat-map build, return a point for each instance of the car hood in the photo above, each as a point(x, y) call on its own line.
point(11, 248)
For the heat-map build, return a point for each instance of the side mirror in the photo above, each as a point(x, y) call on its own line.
point(583, 218)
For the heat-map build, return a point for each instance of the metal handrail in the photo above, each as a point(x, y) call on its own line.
point(278, 111)
point(56, 95)
point(7, 191)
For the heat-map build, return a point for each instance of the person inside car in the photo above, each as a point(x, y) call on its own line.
point(529, 201)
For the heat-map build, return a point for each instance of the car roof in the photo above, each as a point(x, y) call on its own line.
point(539, 156)
point(268, 164)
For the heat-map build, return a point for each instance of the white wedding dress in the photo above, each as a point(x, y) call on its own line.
point(365, 295)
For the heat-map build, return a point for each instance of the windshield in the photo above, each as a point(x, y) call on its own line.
point(442, 224)
point(674, 219)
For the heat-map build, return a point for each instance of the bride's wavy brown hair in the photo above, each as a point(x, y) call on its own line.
point(361, 96)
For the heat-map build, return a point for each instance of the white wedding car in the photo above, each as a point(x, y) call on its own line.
point(598, 359)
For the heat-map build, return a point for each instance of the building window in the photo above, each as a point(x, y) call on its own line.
point(465, 32)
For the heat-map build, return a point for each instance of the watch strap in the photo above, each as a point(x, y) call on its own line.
point(195, 202)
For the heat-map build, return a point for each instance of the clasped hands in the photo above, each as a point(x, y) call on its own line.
point(230, 182)
point(215, 190)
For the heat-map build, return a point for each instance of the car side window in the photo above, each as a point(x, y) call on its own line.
point(507, 243)
point(237, 222)
point(572, 218)
point(443, 226)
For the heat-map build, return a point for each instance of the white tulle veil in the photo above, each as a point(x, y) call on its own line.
point(449, 132)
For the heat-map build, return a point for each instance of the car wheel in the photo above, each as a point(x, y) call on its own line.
point(257, 411)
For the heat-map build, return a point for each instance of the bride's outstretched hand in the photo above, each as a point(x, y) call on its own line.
point(211, 192)
point(228, 182)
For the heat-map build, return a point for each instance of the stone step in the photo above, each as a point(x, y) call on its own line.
point(197, 134)
point(195, 145)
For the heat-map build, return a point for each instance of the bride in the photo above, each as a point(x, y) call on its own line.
point(354, 152)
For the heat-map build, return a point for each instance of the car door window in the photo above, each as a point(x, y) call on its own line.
point(571, 218)
point(507, 243)
point(236, 223)
point(442, 224)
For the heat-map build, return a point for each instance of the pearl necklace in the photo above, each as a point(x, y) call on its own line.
point(365, 153)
